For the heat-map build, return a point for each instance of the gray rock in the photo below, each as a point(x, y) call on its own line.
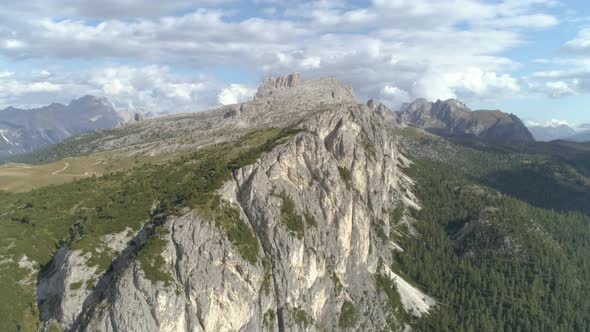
point(271, 84)
point(343, 174)
point(453, 118)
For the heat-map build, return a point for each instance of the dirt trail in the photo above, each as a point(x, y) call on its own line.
point(61, 170)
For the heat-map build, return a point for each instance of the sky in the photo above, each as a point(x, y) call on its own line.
point(527, 57)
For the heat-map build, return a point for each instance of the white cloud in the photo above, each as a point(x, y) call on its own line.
point(393, 95)
point(13, 44)
point(550, 123)
point(313, 62)
point(537, 21)
point(154, 88)
point(414, 46)
point(12, 88)
point(580, 44)
point(235, 93)
point(559, 89)
point(471, 83)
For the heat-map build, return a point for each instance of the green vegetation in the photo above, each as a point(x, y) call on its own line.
point(394, 303)
point(266, 264)
point(238, 232)
point(76, 285)
point(346, 177)
point(25, 177)
point(54, 327)
point(289, 216)
point(90, 284)
point(521, 271)
point(338, 287)
point(396, 215)
point(348, 317)
point(379, 228)
point(309, 219)
point(80, 213)
point(301, 317)
point(151, 260)
point(269, 318)
point(412, 133)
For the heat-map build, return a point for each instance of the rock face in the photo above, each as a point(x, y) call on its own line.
point(342, 174)
point(453, 118)
point(271, 84)
point(26, 130)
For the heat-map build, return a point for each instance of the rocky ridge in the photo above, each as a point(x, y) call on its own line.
point(27, 130)
point(453, 118)
point(342, 174)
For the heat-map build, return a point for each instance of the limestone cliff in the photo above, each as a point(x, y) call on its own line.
point(340, 177)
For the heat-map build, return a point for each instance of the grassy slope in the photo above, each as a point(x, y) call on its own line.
point(82, 212)
point(24, 177)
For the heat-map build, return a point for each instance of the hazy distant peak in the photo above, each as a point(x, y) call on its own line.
point(453, 117)
point(89, 100)
point(26, 130)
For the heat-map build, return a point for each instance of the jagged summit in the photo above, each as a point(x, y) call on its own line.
point(89, 100)
point(453, 117)
point(270, 84)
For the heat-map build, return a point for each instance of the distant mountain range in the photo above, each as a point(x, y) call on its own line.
point(26, 130)
point(453, 118)
point(554, 131)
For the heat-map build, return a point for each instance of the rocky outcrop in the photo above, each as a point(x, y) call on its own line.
point(453, 118)
point(481, 236)
point(341, 176)
point(174, 133)
point(271, 84)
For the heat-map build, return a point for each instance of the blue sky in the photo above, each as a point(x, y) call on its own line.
point(528, 57)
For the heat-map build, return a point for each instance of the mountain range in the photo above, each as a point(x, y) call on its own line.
point(302, 210)
point(555, 131)
point(27, 130)
point(453, 118)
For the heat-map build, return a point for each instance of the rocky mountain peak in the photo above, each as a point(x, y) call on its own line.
point(271, 84)
point(91, 101)
point(453, 117)
point(452, 103)
point(30, 129)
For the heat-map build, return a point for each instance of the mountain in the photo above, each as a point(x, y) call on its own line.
point(580, 137)
point(582, 133)
point(27, 130)
point(451, 118)
point(558, 131)
point(302, 210)
point(551, 132)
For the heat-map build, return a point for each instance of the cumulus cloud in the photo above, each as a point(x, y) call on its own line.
point(574, 80)
point(391, 49)
point(551, 123)
point(393, 95)
point(580, 44)
point(235, 93)
point(152, 87)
